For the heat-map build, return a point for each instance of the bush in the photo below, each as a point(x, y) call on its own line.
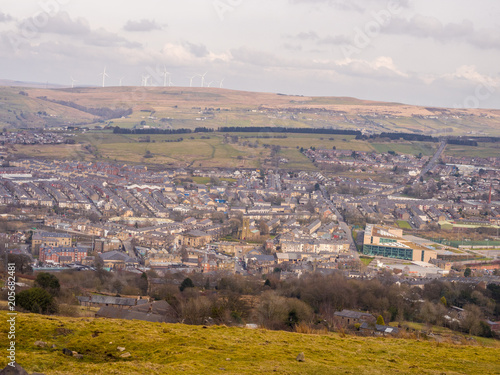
point(49, 282)
point(186, 283)
point(380, 320)
point(37, 300)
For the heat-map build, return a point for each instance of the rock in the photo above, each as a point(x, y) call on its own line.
point(125, 355)
point(96, 333)
point(78, 356)
point(54, 346)
point(41, 344)
point(16, 370)
point(67, 352)
point(74, 353)
point(228, 359)
point(120, 348)
point(301, 357)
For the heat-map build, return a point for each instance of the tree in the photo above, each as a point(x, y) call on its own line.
point(22, 263)
point(380, 320)
point(264, 229)
point(37, 300)
point(267, 283)
point(49, 282)
point(467, 272)
point(443, 301)
point(117, 286)
point(186, 283)
point(143, 283)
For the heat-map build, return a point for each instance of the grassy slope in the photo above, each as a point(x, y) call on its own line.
point(183, 107)
point(175, 348)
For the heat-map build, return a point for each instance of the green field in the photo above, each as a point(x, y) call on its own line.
point(158, 348)
point(403, 224)
point(410, 148)
point(482, 150)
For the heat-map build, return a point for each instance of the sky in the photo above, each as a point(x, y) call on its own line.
point(443, 53)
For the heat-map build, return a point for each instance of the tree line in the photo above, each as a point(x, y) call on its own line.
point(310, 301)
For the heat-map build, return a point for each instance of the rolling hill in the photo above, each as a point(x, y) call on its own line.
point(184, 107)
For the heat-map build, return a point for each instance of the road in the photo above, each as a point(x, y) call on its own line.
point(433, 160)
point(342, 223)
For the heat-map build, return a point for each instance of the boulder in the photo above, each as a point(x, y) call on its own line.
point(125, 355)
point(120, 348)
point(13, 370)
point(301, 357)
point(67, 352)
point(41, 344)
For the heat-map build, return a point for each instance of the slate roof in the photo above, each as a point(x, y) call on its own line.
point(352, 314)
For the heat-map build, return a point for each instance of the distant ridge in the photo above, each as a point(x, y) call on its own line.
point(38, 85)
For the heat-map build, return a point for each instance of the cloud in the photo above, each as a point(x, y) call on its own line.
point(198, 50)
point(381, 67)
point(359, 6)
point(253, 57)
point(430, 27)
point(5, 17)
point(60, 23)
point(313, 36)
point(103, 38)
point(141, 26)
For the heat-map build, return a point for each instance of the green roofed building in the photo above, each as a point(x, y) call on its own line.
point(390, 243)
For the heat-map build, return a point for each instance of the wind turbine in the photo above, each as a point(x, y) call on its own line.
point(121, 79)
point(209, 83)
point(203, 79)
point(164, 74)
point(104, 75)
point(220, 85)
point(73, 82)
point(169, 81)
point(145, 80)
point(191, 80)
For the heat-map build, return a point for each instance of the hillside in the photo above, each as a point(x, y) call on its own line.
point(176, 107)
point(175, 348)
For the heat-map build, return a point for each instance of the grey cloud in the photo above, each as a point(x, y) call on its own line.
point(103, 38)
point(335, 39)
point(5, 17)
point(61, 23)
point(358, 6)
point(253, 57)
point(431, 27)
point(309, 35)
point(198, 50)
point(141, 26)
point(329, 39)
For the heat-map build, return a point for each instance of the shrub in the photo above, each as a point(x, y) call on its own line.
point(49, 282)
point(380, 320)
point(37, 300)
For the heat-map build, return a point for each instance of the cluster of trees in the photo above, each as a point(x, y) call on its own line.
point(281, 304)
point(118, 130)
point(267, 129)
point(104, 113)
point(41, 298)
point(462, 142)
point(405, 136)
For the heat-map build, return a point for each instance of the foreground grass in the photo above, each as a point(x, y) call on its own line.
point(174, 348)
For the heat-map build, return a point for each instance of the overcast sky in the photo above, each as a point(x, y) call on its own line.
point(439, 52)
